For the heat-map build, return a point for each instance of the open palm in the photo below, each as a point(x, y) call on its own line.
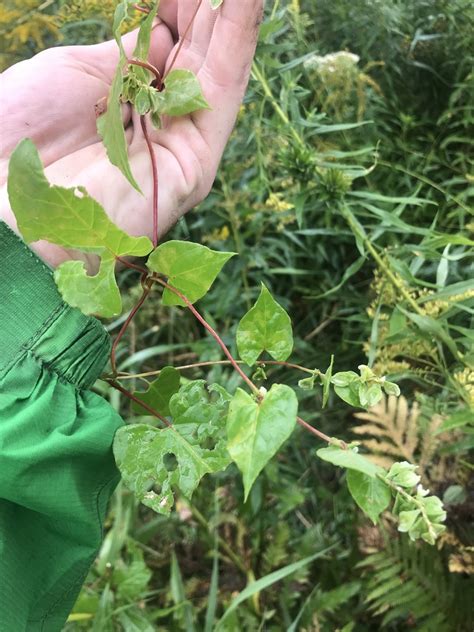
point(51, 100)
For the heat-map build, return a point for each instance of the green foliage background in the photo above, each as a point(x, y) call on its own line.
point(347, 189)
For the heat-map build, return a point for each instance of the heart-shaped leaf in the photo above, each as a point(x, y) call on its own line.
point(256, 431)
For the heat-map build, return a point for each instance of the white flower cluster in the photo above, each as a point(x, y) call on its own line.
point(332, 62)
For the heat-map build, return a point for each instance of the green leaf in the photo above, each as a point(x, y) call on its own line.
point(326, 380)
point(369, 394)
point(404, 474)
point(109, 124)
point(346, 386)
point(182, 94)
point(190, 268)
point(391, 388)
point(97, 294)
point(142, 47)
point(215, 4)
point(349, 459)
point(153, 461)
point(371, 494)
point(257, 430)
point(344, 378)
point(159, 393)
point(265, 327)
point(67, 217)
point(70, 218)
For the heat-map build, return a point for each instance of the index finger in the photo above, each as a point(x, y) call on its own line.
point(225, 72)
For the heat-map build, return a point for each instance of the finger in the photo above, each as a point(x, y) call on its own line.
point(104, 57)
point(226, 69)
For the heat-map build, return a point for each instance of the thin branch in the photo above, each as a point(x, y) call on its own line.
point(180, 46)
point(317, 432)
point(144, 296)
point(155, 179)
point(197, 365)
point(212, 331)
point(150, 67)
point(138, 401)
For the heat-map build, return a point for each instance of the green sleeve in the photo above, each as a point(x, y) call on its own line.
point(57, 470)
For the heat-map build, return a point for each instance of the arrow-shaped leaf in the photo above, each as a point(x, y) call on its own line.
point(190, 268)
point(265, 327)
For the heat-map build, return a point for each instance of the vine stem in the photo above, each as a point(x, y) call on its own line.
point(196, 365)
point(138, 401)
point(130, 317)
point(155, 179)
point(180, 45)
point(150, 67)
point(317, 432)
point(212, 331)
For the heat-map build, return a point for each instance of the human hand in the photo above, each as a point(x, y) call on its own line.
point(51, 100)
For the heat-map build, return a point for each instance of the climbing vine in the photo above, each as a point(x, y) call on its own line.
point(202, 427)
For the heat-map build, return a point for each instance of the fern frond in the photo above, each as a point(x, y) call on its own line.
point(393, 420)
point(409, 585)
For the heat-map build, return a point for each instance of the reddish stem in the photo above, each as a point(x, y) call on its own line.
point(155, 180)
point(212, 331)
point(141, 9)
point(146, 291)
point(313, 430)
point(131, 396)
point(132, 266)
point(150, 67)
point(180, 45)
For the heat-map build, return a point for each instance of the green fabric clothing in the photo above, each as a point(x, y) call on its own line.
point(57, 470)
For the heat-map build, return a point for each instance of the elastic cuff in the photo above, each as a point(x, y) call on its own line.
point(34, 318)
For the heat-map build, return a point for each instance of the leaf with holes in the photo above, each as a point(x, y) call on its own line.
point(257, 430)
point(371, 494)
point(153, 461)
point(97, 294)
point(159, 393)
point(190, 268)
point(70, 218)
point(265, 327)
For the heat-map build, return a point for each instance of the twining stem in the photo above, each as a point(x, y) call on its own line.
point(141, 9)
point(155, 179)
point(317, 432)
point(146, 291)
point(212, 331)
point(183, 37)
point(150, 67)
point(132, 266)
point(138, 401)
point(197, 365)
